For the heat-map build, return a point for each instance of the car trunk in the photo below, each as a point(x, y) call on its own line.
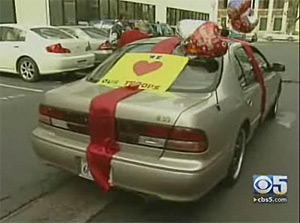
point(133, 115)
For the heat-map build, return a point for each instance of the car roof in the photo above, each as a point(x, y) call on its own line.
point(26, 26)
point(76, 27)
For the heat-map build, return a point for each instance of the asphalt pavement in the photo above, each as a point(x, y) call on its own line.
point(33, 192)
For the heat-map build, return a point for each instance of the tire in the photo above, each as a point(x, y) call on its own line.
point(290, 39)
point(236, 163)
point(28, 70)
point(269, 38)
point(273, 112)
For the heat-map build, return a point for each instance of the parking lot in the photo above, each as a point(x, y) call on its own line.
point(31, 191)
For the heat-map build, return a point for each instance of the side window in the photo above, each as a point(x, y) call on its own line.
point(12, 34)
point(246, 67)
point(263, 64)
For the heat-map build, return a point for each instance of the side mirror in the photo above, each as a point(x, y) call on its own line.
point(278, 67)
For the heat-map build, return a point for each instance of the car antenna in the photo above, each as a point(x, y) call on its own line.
point(217, 100)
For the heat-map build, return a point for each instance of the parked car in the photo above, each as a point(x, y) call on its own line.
point(200, 125)
point(40, 50)
point(270, 36)
point(98, 39)
point(251, 37)
point(162, 29)
point(237, 35)
point(103, 24)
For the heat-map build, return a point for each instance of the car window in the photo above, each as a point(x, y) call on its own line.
point(12, 34)
point(52, 33)
point(263, 64)
point(95, 33)
point(70, 31)
point(199, 75)
point(245, 66)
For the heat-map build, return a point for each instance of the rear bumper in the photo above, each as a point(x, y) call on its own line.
point(165, 182)
point(60, 64)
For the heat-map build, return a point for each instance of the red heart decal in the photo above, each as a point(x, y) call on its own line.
point(144, 67)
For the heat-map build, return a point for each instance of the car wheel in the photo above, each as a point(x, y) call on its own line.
point(269, 38)
point(236, 163)
point(28, 69)
point(274, 109)
point(290, 39)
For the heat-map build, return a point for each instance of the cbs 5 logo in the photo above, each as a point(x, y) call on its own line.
point(270, 184)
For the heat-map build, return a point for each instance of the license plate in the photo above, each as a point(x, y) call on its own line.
point(81, 63)
point(86, 173)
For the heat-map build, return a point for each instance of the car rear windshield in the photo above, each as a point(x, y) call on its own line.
point(51, 33)
point(199, 75)
point(96, 33)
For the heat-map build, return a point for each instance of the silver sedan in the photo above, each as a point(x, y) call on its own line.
point(211, 111)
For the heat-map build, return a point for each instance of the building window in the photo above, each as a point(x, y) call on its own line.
point(277, 24)
point(175, 15)
point(137, 11)
point(223, 4)
point(56, 12)
point(279, 4)
point(263, 4)
point(7, 11)
point(69, 9)
point(263, 24)
point(87, 10)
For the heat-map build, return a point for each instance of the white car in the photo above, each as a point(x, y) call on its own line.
point(97, 38)
point(40, 50)
point(280, 36)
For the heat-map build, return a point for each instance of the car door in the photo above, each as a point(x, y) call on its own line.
point(271, 79)
point(251, 89)
point(12, 41)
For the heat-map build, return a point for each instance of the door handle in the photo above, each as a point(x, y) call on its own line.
point(250, 103)
point(16, 46)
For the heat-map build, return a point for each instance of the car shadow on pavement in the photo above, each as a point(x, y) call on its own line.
point(129, 207)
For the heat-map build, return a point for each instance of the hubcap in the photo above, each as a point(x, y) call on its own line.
point(27, 70)
point(238, 156)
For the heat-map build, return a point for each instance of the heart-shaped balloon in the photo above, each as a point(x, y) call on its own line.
point(206, 42)
point(242, 18)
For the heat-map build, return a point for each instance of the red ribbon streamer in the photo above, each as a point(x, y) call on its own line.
point(102, 128)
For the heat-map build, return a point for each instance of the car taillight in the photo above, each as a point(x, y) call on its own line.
point(65, 119)
point(162, 136)
point(57, 48)
point(104, 46)
point(185, 139)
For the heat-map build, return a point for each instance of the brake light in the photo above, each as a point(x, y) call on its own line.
point(57, 48)
point(185, 139)
point(104, 46)
point(66, 119)
point(162, 136)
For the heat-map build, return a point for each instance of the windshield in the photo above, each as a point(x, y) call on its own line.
point(51, 33)
point(199, 75)
point(95, 33)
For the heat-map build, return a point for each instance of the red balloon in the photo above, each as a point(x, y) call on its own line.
point(241, 16)
point(206, 42)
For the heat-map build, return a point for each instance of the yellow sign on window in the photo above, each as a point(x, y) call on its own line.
point(150, 71)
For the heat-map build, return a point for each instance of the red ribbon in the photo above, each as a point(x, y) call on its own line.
point(257, 72)
point(103, 144)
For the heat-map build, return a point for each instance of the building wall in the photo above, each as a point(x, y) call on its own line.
point(272, 14)
point(32, 12)
point(204, 6)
